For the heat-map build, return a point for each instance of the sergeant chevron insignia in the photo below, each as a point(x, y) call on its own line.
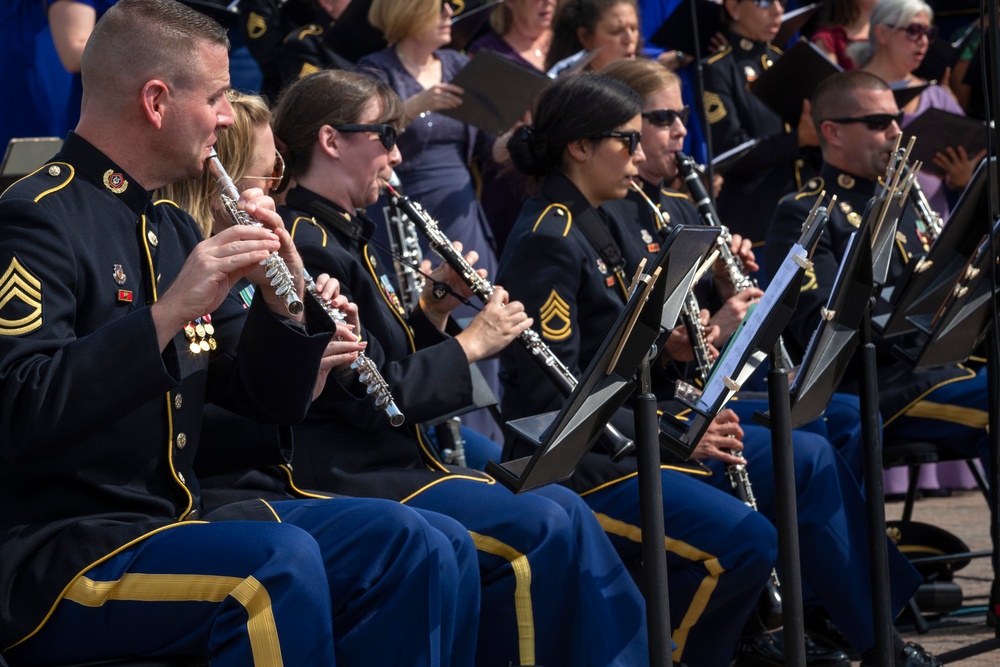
point(555, 315)
point(20, 300)
point(256, 26)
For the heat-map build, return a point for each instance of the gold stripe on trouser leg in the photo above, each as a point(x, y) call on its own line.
point(684, 550)
point(522, 592)
point(136, 587)
point(956, 414)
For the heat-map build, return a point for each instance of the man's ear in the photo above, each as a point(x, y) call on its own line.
point(155, 98)
point(831, 133)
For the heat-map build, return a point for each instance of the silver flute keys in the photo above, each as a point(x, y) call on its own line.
point(368, 375)
point(277, 271)
point(546, 359)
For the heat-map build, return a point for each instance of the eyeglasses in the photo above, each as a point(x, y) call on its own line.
point(446, 3)
point(876, 121)
point(277, 172)
point(386, 132)
point(630, 139)
point(764, 4)
point(915, 31)
point(666, 117)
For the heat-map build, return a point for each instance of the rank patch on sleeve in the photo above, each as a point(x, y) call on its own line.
point(556, 318)
point(809, 281)
point(714, 107)
point(20, 301)
point(256, 26)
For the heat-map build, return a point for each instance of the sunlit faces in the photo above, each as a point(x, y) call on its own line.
point(532, 17)
point(754, 20)
point(661, 143)
point(194, 115)
point(616, 34)
point(605, 171)
point(263, 167)
point(437, 33)
point(860, 149)
point(365, 165)
point(905, 46)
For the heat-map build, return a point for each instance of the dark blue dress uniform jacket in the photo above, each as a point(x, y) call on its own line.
point(755, 183)
point(427, 370)
point(899, 384)
point(98, 428)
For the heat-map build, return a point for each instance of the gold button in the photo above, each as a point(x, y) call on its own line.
point(178, 401)
point(182, 440)
point(54, 170)
point(152, 238)
point(180, 476)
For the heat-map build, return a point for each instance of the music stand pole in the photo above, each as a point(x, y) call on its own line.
point(787, 512)
point(878, 554)
point(654, 560)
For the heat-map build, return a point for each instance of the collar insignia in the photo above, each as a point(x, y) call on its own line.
point(746, 44)
point(601, 266)
point(115, 182)
point(845, 181)
point(750, 73)
point(119, 274)
point(646, 236)
point(845, 207)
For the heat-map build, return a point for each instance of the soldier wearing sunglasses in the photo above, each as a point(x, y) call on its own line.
point(775, 167)
point(856, 115)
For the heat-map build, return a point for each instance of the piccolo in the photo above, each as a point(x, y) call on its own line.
point(277, 271)
point(368, 375)
point(618, 445)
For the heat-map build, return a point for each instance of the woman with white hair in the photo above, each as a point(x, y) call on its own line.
point(899, 36)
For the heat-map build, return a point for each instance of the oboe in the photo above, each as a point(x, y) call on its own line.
point(375, 384)
point(277, 270)
point(547, 361)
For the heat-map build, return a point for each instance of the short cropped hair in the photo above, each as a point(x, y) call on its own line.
point(835, 96)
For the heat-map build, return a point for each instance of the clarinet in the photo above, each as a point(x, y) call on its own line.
point(547, 361)
point(406, 255)
point(450, 441)
point(368, 374)
point(691, 314)
point(277, 270)
point(929, 222)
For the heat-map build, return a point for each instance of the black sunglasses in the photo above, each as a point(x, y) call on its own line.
point(875, 121)
point(386, 132)
point(666, 117)
point(630, 139)
point(915, 31)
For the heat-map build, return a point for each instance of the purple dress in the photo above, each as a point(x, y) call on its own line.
point(436, 151)
point(935, 97)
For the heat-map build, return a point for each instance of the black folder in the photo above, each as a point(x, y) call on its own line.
point(793, 78)
point(470, 22)
point(677, 33)
point(793, 21)
point(936, 129)
point(497, 91)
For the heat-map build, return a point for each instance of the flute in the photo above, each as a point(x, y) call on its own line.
point(375, 384)
point(277, 270)
point(618, 445)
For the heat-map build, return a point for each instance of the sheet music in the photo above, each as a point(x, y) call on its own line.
point(739, 347)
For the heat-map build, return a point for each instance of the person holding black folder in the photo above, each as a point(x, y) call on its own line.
point(901, 32)
point(755, 183)
point(844, 22)
point(857, 116)
point(564, 264)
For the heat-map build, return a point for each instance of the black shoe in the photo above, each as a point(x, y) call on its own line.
point(911, 655)
point(914, 655)
point(768, 650)
point(826, 634)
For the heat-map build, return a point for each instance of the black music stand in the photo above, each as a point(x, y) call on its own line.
point(563, 439)
point(757, 338)
point(925, 281)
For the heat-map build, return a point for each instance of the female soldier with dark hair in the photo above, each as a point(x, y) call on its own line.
point(553, 590)
point(584, 147)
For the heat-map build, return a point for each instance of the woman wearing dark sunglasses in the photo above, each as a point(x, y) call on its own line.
point(756, 182)
point(563, 263)
point(900, 35)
